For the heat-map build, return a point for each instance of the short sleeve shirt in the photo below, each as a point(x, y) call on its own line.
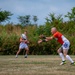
point(58, 37)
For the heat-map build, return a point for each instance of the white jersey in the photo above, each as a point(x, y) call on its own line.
point(64, 38)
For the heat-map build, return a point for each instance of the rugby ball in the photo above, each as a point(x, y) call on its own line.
point(23, 36)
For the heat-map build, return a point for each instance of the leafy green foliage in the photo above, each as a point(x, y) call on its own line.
point(35, 19)
point(24, 20)
point(9, 38)
point(54, 19)
point(4, 15)
point(71, 15)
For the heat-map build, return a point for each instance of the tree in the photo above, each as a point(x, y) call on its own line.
point(71, 15)
point(5, 15)
point(35, 19)
point(24, 20)
point(27, 19)
point(54, 19)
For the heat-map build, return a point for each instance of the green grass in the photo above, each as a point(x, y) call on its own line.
point(35, 65)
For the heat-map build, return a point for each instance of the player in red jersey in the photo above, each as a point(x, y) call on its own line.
point(63, 50)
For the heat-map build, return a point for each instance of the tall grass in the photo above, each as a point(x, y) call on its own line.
point(10, 34)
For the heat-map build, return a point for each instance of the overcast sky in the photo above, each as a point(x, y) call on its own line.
point(40, 8)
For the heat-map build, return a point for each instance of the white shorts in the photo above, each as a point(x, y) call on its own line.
point(23, 45)
point(66, 45)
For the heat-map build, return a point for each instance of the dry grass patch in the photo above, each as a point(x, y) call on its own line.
point(34, 65)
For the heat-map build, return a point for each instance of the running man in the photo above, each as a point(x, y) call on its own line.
point(63, 50)
point(23, 44)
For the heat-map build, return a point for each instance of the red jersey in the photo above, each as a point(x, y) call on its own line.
point(59, 37)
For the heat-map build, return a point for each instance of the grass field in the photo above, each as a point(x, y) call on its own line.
point(35, 65)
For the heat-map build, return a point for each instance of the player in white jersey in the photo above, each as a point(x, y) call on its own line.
point(23, 44)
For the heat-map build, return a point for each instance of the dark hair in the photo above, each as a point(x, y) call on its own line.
point(25, 31)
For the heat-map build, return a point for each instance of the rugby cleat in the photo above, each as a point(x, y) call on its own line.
point(16, 56)
point(73, 63)
point(25, 56)
point(63, 62)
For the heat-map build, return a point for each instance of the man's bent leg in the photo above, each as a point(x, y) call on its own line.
point(27, 51)
point(65, 51)
point(61, 55)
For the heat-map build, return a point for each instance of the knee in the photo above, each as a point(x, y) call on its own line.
point(65, 54)
point(27, 49)
point(58, 51)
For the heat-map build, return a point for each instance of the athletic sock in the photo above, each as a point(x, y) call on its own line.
point(69, 58)
point(25, 54)
point(16, 56)
point(62, 56)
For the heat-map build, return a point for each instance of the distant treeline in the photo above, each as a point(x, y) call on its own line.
point(10, 34)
